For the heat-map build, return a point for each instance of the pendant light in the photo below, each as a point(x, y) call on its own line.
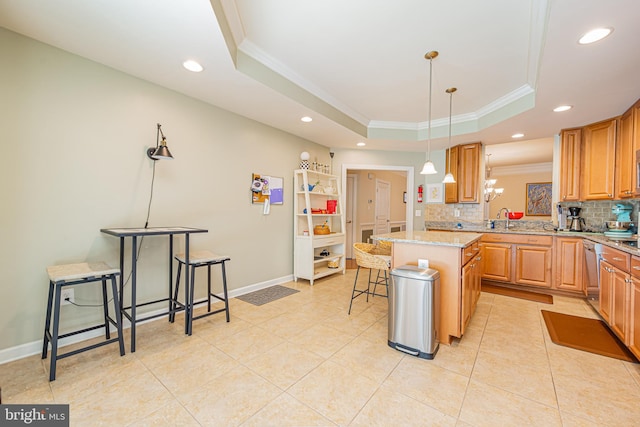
point(448, 178)
point(429, 168)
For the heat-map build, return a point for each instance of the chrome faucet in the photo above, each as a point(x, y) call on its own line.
point(506, 224)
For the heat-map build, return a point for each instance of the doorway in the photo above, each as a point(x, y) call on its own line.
point(350, 187)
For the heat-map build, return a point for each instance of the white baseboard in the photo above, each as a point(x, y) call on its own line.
point(35, 347)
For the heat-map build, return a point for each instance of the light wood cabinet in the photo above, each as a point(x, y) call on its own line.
point(619, 305)
point(455, 290)
point(634, 316)
point(570, 166)
point(497, 261)
point(316, 255)
point(635, 138)
point(451, 189)
point(598, 160)
point(533, 265)
point(625, 157)
point(633, 327)
point(606, 280)
point(569, 264)
point(466, 189)
point(469, 173)
point(614, 290)
point(518, 259)
point(471, 277)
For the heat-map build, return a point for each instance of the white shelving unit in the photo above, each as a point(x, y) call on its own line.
point(311, 209)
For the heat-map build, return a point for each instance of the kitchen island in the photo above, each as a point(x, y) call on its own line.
point(457, 258)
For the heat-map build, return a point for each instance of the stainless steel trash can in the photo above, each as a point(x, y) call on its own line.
point(414, 310)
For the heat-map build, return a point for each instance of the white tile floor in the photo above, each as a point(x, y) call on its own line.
point(302, 361)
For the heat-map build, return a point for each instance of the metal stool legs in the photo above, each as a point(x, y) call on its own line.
point(51, 331)
point(214, 259)
point(378, 281)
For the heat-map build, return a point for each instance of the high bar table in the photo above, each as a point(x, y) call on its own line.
point(134, 233)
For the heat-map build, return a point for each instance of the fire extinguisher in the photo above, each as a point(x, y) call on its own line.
point(419, 193)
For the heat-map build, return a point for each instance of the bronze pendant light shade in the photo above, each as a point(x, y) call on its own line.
point(160, 151)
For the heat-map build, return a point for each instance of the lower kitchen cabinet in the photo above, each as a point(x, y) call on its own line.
point(471, 277)
point(533, 265)
point(634, 308)
point(606, 283)
point(569, 264)
point(518, 259)
point(634, 317)
point(497, 261)
point(615, 283)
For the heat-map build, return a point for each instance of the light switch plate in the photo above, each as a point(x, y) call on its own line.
point(418, 212)
point(423, 263)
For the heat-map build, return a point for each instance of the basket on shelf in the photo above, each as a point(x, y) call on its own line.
point(321, 229)
point(334, 263)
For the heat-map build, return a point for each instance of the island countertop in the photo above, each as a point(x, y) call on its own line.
point(437, 238)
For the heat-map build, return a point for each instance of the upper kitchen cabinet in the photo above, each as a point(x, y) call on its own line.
point(467, 186)
point(625, 158)
point(571, 144)
point(598, 160)
point(635, 137)
point(451, 190)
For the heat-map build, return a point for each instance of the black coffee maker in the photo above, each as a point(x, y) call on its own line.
point(575, 222)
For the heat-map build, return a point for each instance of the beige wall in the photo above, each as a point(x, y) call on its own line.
point(515, 195)
point(74, 139)
point(75, 135)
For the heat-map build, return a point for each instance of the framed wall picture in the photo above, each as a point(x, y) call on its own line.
point(435, 193)
point(539, 199)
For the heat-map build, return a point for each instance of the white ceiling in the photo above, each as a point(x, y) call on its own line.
point(357, 66)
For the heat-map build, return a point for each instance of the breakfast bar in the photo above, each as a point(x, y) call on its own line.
point(457, 257)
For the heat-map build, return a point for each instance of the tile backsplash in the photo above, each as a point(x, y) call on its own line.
point(595, 213)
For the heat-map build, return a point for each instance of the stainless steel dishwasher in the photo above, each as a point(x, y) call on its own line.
point(592, 257)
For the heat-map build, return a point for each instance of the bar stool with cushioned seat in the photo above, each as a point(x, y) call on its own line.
point(61, 276)
point(374, 258)
point(201, 259)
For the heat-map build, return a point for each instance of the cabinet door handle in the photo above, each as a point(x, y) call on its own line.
point(618, 259)
point(635, 267)
point(468, 254)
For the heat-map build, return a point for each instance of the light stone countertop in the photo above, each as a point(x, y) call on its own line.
point(594, 237)
point(459, 239)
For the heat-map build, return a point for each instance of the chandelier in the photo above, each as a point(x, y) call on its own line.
point(490, 192)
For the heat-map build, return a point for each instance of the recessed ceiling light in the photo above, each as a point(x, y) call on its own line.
point(361, 144)
point(306, 119)
point(517, 135)
point(562, 108)
point(595, 35)
point(192, 65)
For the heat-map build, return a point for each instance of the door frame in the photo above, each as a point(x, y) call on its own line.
point(354, 211)
point(346, 167)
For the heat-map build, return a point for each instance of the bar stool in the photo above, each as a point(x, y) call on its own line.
point(61, 276)
point(201, 259)
point(374, 258)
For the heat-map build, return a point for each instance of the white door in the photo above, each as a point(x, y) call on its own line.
point(383, 208)
point(350, 198)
